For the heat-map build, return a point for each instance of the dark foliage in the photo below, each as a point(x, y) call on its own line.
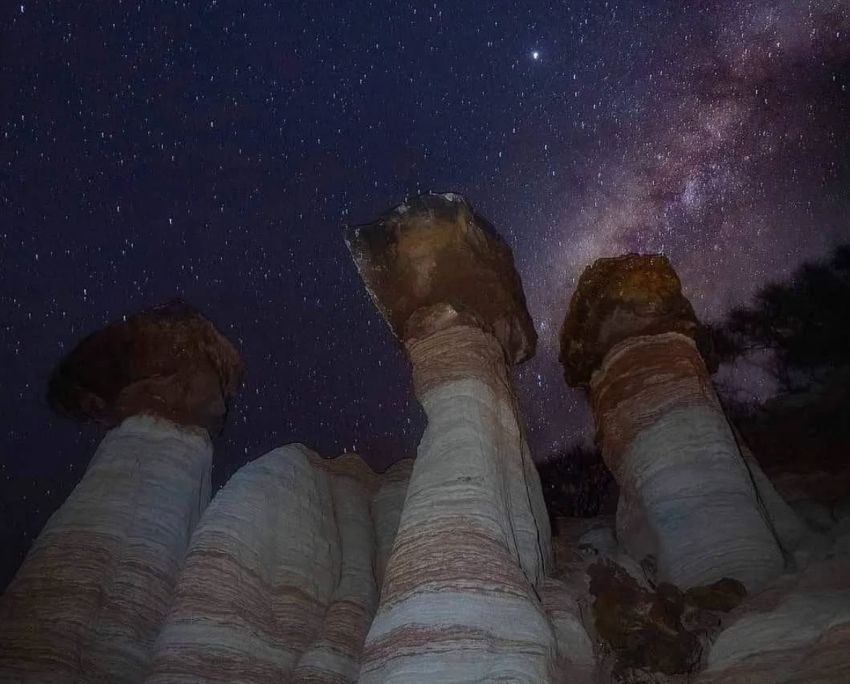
point(801, 328)
point(799, 331)
point(576, 483)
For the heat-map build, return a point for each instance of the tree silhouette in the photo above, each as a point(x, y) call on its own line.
point(576, 483)
point(801, 327)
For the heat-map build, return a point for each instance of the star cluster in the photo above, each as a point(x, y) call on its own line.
point(213, 151)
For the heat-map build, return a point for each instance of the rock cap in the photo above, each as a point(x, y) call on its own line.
point(168, 361)
point(621, 297)
point(435, 249)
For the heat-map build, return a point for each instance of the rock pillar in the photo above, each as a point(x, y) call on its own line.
point(89, 598)
point(459, 600)
point(279, 583)
point(688, 502)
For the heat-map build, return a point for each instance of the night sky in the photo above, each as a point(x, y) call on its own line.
point(214, 151)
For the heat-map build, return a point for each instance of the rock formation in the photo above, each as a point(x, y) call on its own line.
point(281, 578)
point(168, 361)
point(797, 631)
point(304, 569)
point(661, 631)
point(688, 503)
point(89, 599)
point(460, 599)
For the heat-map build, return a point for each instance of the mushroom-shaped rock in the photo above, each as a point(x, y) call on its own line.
point(435, 249)
point(90, 597)
point(618, 298)
point(459, 600)
point(687, 497)
point(281, 578)
point(168, 361)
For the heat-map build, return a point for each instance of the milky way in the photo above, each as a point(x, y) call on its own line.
point(729, 154)
point(214, 151)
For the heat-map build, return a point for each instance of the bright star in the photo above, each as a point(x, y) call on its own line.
point(535, 54)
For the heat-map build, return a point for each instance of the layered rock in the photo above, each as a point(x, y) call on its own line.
point(688, 502)
point(89, 598)
point(797, 632)
point(279, 582)
point(460, 598)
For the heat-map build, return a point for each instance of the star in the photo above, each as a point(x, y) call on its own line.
point(684, 132)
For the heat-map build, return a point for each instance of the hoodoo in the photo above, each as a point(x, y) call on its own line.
point(459, 600)
point(90, 597)
point(688, 502)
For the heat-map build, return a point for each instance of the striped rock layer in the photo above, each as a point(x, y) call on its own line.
point(91, 595)
point(797, 632)
point(281, 578)
point(459, 600)
point(687, 496)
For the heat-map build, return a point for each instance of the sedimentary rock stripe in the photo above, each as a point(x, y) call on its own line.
point(335, 655)
point(805, 638)
point(460, 636)
point(574, 645)
point(687, 496)
point(258, 576)
point(386, 506)
point(459, 371)
point(641, 380)
point(278, 583)
point(458, 601)
point(91, 595)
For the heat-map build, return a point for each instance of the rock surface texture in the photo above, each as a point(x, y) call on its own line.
point(281, 578)
point(798, 631)
point(461, 595)
point(688, 504)
point(168, 361)
point(435, 249)
point(89, 599)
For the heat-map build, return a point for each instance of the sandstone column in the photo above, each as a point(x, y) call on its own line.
point(279, 580)
point(687, 497)
point(90, 596)
point(459, 600)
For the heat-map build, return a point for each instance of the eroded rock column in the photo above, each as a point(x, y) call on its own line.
point(279, 583)
point(90, 597)
point(688, 503)
point(459, 600)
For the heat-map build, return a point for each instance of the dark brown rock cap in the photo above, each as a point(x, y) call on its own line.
point(168, 361)
point(434, 249)
point(621, 297)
